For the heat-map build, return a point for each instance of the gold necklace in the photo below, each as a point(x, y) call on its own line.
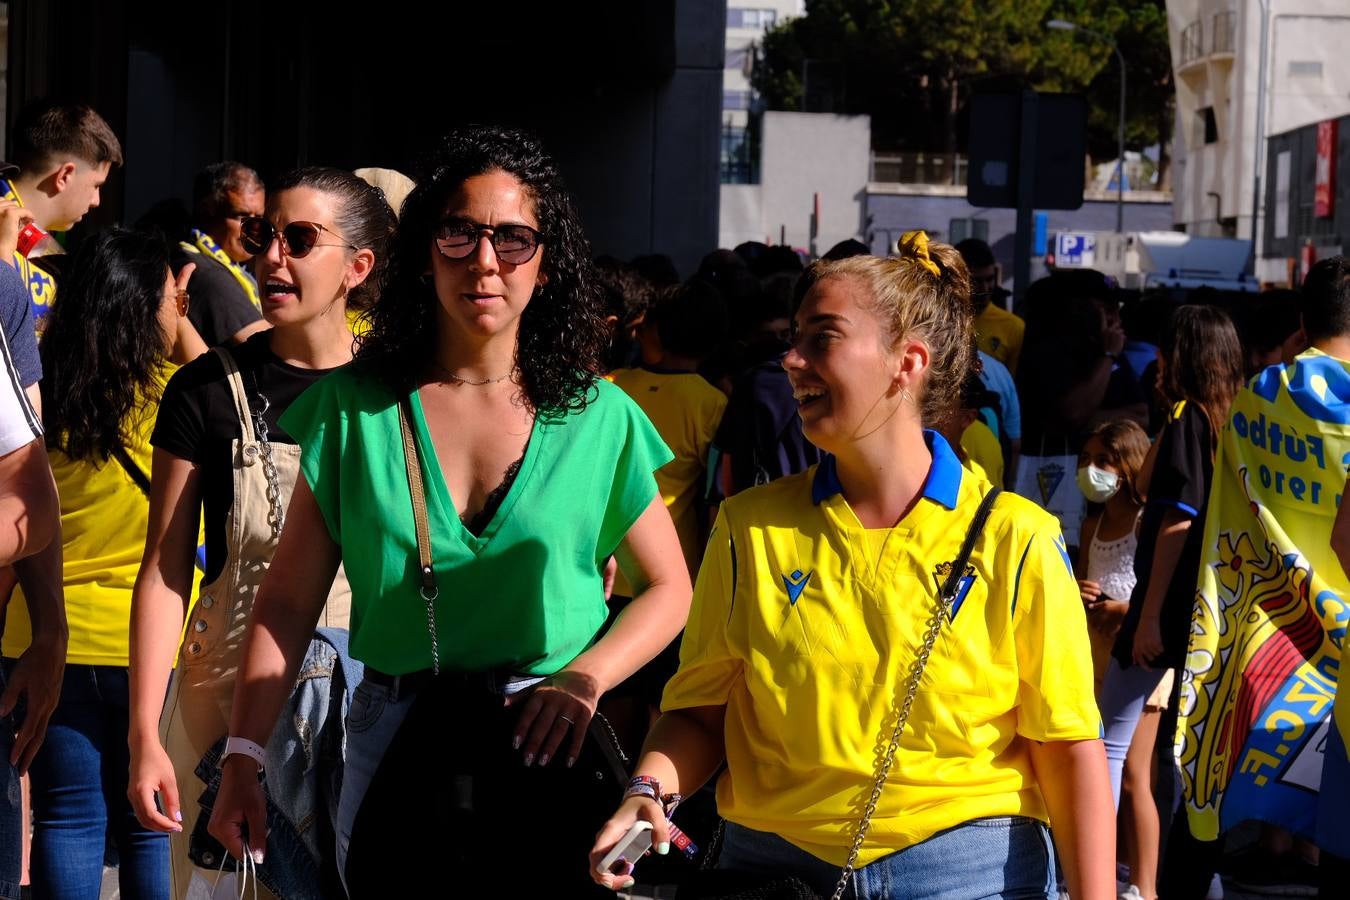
point(471, 382)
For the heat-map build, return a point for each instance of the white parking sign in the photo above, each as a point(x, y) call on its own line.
point(1075, 250)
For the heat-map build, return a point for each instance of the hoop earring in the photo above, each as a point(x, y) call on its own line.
point(906, 396)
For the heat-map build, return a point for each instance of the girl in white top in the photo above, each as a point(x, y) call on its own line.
point(1109, 468)
point(1108, 475)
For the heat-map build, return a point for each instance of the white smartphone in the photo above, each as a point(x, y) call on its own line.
point(637, 841)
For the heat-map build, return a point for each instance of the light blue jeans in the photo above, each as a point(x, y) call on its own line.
point(372, 723)
point(1002, 856)
point(1124, 693)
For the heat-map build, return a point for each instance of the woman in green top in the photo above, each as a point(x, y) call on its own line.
point(536, 471)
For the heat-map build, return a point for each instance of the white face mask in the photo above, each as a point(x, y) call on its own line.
point(1097, 485)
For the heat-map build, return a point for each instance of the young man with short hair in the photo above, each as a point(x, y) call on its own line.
point(63, 154)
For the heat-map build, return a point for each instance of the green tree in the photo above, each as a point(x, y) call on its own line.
point(1150, 105)
point(912, 64)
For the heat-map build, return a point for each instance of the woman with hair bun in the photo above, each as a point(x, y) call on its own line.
point(473, 473)
point(843, 645)
point(222, 454)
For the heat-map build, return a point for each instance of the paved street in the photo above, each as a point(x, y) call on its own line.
point(110, 891)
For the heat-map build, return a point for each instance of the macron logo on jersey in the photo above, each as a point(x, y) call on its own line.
point(795, 584)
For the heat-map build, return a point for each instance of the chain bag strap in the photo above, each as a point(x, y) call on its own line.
point(276, 512)
point(413, 461)
point(946, 596)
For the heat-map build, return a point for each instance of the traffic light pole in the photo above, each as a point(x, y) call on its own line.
point(1026, 190)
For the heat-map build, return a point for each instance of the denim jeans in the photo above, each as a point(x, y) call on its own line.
point(372, 722)
point(79, 783)
point(1124, 692)
point(1001, 856)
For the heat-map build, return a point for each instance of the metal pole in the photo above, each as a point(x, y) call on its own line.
point(1260, 124)
point(1120, 143)
point(1026, 187)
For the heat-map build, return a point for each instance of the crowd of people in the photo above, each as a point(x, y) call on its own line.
point(366, 533)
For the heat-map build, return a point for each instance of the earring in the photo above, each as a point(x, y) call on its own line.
point(906, 396)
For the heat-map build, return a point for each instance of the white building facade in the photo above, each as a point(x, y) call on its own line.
point(745, 29)
point(1225, 110)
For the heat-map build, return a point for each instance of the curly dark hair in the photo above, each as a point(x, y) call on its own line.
point(103, 343)
point(561, 345)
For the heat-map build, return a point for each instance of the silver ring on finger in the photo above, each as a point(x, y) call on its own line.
point(566, 719)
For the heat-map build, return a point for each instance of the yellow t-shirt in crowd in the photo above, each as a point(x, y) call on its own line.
point(103, 522)
point(806, 637)
point(980, 445)
point(999, 333)
point(686, 411)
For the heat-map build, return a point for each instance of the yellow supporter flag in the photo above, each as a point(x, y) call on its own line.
point(1271, 604)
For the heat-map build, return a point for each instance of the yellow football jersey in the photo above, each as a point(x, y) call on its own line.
point(805, 627)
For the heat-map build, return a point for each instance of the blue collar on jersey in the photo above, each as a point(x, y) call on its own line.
point(944, 477)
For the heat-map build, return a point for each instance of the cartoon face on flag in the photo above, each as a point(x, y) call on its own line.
point(1271, 606)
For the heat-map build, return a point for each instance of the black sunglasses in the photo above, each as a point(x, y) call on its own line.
point(297, 238)
point(514, 244)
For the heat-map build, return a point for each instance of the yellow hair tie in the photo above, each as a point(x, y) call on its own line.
point(914, 245)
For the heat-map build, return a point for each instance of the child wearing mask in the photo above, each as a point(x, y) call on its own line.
point(1108, 475)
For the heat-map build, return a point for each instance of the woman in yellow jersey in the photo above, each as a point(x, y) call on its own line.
point(221, 454)
point(106, 357)
point(815, 599)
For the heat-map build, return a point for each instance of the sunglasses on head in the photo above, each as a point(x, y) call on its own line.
point(514, 244)
point(297, 238)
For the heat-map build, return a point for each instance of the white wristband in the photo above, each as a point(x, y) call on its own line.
point(242, 747)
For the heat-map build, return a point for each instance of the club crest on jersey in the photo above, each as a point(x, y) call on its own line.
point(940, 573)
point(1048, 478)
point(795, 584)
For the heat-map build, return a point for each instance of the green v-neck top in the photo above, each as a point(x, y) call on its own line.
point(526, 594)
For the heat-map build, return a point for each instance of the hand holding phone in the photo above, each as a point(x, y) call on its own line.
point(630, 848)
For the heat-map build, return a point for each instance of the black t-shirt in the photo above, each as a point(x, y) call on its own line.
point(218, 306)
point(1182, 476)
point(198, 421)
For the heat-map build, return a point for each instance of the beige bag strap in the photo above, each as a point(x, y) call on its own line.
point(236, 382)
point(422, 522)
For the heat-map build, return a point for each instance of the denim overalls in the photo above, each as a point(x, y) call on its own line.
point(197, 713)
